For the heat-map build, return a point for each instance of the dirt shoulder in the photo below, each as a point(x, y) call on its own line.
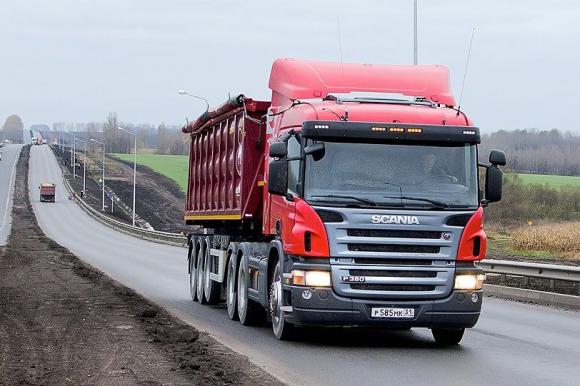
point(63, 322)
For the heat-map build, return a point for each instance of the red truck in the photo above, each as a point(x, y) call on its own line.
point(337, 204)
point(47, 192)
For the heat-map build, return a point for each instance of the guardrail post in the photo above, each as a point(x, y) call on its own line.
point(552, 284)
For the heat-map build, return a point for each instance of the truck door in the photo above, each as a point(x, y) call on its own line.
point(283, 210)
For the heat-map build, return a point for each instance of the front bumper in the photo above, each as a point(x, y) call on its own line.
point(323, 307)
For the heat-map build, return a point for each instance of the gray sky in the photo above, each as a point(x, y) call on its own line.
point(76, 60)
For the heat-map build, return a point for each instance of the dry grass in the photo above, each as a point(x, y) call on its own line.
point(559, 238)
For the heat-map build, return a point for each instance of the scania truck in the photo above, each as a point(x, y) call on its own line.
point(352, 198)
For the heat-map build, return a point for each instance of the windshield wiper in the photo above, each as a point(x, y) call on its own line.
point(363, 200)
point(434, 202)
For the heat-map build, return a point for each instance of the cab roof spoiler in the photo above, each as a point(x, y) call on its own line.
point(302, 79)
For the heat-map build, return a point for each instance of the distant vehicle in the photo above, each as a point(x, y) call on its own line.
point(7, 141)
point(47, 192)
point(34, 140)
point(44, 142)
point(323, 209)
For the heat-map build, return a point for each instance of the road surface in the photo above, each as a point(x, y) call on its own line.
point(513, 344)
point(10, 154)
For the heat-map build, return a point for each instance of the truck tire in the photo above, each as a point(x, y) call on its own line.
point(211, 289)
point(282, 329)
point(231, 288)
point(200, 276)
point(192, 276)
point(446, 337)
point(249, 312)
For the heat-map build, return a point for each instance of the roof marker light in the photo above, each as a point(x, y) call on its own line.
point(321, 126)
point(414, 130)
point(468, 132)
point(378, 128)
point(396, 129)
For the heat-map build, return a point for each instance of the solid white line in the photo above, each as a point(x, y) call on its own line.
point(8, 208)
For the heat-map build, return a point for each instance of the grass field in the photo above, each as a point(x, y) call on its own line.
point(171, 166)
point(551, 180)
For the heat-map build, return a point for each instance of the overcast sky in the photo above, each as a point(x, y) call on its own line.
point(77, 60)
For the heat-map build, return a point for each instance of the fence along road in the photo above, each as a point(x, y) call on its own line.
point(513, 344)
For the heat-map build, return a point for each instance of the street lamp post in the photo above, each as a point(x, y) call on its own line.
point(183, 92)
point(103, 145)
point(74, 150)
point(84, 165)
point(134, 169)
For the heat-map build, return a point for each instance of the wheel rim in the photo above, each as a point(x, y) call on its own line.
point(193, 282)
point(231, 286)
point(275, 303)
point(241, 292)
point(199, 279)
point(206, 274)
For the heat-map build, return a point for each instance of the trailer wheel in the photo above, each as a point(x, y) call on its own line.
point(248, 310)
point(192, 276)
point(200, 276)
point(211, 288)
point(282, 329)
point(445, 337)
point(231, 289)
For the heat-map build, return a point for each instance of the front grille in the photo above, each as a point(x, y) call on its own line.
point(394, 248)
point(392, 287)
point(392, 262)
point(394, 233)
point(382, 273)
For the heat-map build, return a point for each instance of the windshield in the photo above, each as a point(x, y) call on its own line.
point(367, 174)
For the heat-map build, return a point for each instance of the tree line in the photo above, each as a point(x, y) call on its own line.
point(536, 151)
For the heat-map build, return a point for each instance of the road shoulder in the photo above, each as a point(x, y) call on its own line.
point(61, 321)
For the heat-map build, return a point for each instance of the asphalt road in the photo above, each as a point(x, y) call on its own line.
point(513, 344)
point(10, 154)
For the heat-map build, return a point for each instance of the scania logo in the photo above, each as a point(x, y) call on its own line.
point(388, 219)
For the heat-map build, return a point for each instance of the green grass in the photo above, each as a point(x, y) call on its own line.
point(551, 180)
point(174, 167)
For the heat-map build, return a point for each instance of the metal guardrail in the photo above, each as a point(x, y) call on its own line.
point(176, 239)
point(551, 272)
point(536, 270)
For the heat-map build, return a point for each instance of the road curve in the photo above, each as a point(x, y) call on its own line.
point(10, 155)
point(513, 344)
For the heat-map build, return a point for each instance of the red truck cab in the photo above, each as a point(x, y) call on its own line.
point(47, 192)
point(338, 205)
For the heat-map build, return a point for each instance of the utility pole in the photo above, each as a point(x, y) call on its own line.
point(134, 170)
point(103, 145)
point(415, 46)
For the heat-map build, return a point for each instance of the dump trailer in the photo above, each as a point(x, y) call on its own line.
point(47, 192)
point(351, 198)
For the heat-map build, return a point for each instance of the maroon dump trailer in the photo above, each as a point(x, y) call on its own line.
point(47, 192)
point(226, 171)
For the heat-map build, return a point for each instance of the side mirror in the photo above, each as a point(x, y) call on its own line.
point(278, 177)
point(497, 157)
point(493, 184)
point(317, 150)
point(278, 149)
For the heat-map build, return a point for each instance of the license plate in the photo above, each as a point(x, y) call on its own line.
point(392, 313)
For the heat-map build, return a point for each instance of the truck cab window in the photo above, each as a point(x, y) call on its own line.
point(293, 166)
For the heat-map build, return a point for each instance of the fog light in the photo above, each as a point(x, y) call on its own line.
point(474, 297)
point(469, 282)
point(311, 278)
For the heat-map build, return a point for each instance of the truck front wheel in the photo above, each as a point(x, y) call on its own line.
point(282, 329)
point(445, 337)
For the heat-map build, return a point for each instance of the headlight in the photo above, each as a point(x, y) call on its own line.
point(311, 278)
point(469, 282)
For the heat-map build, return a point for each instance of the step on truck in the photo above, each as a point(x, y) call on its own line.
point(352, 198)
